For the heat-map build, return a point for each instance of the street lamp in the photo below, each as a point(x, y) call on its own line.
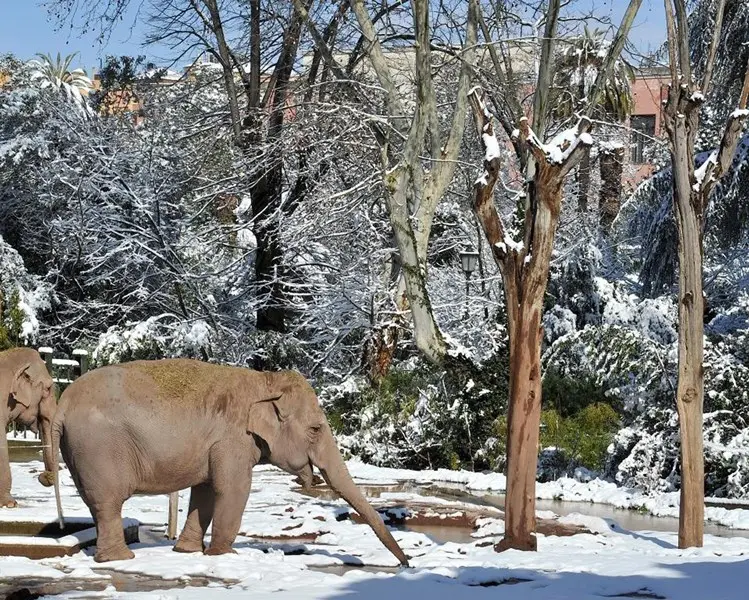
point(468, 261)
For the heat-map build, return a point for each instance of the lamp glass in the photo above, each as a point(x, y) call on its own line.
point(468, 261)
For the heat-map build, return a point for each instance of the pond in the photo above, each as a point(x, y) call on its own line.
point(24, 451)
point(626, 519)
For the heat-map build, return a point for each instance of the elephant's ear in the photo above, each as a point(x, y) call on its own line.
point(22, 386)
point(264, 419)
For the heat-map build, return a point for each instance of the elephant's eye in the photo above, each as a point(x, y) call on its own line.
point(315, 429)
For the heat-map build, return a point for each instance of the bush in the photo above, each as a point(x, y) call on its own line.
point(11, 321)
point(570, 395)
point(421, 417)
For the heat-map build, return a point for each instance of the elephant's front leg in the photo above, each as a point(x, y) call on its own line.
point(232, 488)
point(6, 500)
point(200, 513)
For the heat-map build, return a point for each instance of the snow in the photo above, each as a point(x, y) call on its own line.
point(611, 144)
point(564, 143)
point(701, 171)
point(740, 113)
point(611, 562)
point(492, 146)
point(512, 244)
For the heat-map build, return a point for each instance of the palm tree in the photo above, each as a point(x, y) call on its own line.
point(56, 73)
point(576, 70)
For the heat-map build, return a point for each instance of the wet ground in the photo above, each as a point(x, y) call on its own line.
point(122, 582)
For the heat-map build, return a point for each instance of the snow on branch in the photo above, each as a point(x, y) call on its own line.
point(719, 161)
point(564, 150)
point(483, 203)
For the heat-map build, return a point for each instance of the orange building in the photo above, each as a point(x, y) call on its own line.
point(649, 91)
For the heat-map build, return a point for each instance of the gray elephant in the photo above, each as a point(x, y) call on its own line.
point(27, 396)
point(155, 427)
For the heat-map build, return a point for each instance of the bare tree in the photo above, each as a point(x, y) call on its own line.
point(413, 190)
point(258, 93)
point(692, 189)
point(525, 261)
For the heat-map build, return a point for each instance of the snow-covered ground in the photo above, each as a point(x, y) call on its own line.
point(610, 562)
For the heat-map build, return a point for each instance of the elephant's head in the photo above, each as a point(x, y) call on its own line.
point(293, 434)
point(34, 403)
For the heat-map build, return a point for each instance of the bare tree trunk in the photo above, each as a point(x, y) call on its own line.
point(583, 183)
point(523, 429)
point(690, 388)
point(266, 191)
point(410, 196)
point(265, 195)
point(612, 166)
point(525, 273)
point(691, 195)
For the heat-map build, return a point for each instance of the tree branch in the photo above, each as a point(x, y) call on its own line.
point(379, 62)
point(483, 201)
point(612, 55)
point(543, 85)
point(713, 52)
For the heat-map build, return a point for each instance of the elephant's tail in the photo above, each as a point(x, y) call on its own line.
point(56, 433)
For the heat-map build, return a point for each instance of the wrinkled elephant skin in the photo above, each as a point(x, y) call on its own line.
point(155, 427)
point(27, 396)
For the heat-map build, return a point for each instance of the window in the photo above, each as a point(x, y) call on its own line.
point(643, 131)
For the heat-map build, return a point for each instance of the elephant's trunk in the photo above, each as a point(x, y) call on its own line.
point(46, 414)
point(336, 474)
point(46, 434)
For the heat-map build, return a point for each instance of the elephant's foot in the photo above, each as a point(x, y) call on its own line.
point(109, 554)
point(217, 550)
point(189, 546)
point(47, 478)
point(7, 501)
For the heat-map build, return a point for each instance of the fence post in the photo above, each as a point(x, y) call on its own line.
point(82, 357)
point(171, 529)
point(47, 354)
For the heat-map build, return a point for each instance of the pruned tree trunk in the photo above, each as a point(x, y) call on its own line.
point(583, 183)
point(525, 263)
point(525, 272)
point(612, 166)
point(691, 192)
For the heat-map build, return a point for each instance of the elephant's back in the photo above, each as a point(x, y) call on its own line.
point(153, 386)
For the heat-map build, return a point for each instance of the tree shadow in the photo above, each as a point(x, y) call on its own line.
point(638, 535)
point(703, 580)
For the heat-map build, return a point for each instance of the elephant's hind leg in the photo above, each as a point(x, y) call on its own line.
point(200, 513)
point(110, 537)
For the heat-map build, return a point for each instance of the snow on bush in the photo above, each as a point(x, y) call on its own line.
point(22, 298)
point(162, 336)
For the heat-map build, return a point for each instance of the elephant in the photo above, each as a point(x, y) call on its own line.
point(28, 397)
point(156, 427)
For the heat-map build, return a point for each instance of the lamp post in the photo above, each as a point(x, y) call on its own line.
point(468, 261)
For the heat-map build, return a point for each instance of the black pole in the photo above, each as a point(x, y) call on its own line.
point(468, 279)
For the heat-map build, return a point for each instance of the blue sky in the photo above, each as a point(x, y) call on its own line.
point(25, 29)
